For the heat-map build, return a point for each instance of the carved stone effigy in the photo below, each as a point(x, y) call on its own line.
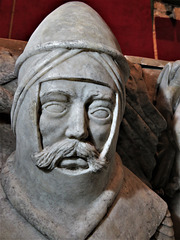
point(65, 180)
point(167, 175)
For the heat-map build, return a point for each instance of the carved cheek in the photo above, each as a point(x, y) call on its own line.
point(52, 128)
point(99, 134)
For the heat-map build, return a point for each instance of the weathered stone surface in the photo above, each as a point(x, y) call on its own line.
point(7, 61)
point(141, 126)
point(168, 168)
point(12, 225)
point(6, 99)
point(7, 139)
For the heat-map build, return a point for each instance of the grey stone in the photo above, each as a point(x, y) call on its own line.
point(6, 100)
point(7, 61)
point(65, 179)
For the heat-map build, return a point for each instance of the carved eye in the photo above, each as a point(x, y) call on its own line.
point(101, 113)
point(55, 107)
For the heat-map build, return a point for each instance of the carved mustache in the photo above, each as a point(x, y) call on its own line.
point(51, 156)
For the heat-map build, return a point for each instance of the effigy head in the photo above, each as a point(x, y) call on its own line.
point(66, 115)
point(71, 87)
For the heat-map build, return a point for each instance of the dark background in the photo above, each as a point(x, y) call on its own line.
point(130, 21)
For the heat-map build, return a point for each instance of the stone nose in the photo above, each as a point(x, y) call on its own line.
point(78, 123)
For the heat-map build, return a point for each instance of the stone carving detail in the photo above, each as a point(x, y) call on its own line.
point(65, 179)
point(167, 175)
point(167, 102)
point(141, 126)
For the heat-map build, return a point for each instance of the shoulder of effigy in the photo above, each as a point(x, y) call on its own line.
point(134, 188)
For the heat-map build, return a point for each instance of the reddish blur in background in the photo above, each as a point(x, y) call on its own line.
point(130, 21)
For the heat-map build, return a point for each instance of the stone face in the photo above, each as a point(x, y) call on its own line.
point(65, 179)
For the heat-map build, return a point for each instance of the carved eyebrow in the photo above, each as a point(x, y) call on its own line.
point(100, 96)
point(56, 95)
